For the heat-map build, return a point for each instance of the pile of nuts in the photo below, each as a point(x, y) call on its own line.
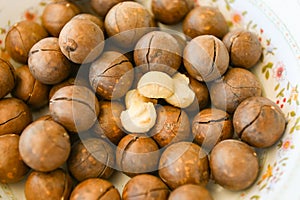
point(173, 113)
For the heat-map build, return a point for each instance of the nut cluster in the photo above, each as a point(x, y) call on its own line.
point(160, 108)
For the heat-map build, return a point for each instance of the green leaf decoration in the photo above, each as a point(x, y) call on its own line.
point(255, 197)
point(298, 127)
point(269, 65)
point(292, 130)
point(267, 75)
point(280, 94)
point(293, 114)
point(288, 86)
point(277, 87)
point(254, 26)
point(231, 1)
point(244, 13)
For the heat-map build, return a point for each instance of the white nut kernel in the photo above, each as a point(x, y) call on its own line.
point(139, 118)
point(183, 95)
point(133, 97)
point(156, 84)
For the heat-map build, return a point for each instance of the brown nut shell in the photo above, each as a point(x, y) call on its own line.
point(128, 22)
point(237, 171)
point(171, 12)
point(52, 185)
point(95, 189)
point(146, 187)
point(206, 58)
point(12, 167)
point(234, 87)
point(75, 107)
point(15, 44)
point(211, 126)
point(44, 145)
point(57, 14)
point(91, 158)
point(15, 115)
point(109, 124)
point(101, 7)
point(259, 122)
point(137, 154)
point(47, 63)
point(81, 41)
point(30, 90)
point(111, 75)
point(172, 125)
point(190, 192)
point(8, 78)
point(205, 20)
point(93, 18)
point(244, 48)
point(182, 163)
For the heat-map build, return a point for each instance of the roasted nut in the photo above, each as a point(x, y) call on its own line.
point(134, 97)
point(204, 20)
point(182, 163)
point(237, 171)
point(91, 158)
point(81, 41)
point(155, 84)
point(172, 125)
point(18, 47)
point(75, 107)
point(206, 58)
point(44, 145)
point(190, 192)
point(57, 14)
point(52, 185)
point(171, 12)
point(139, 118)
point(234, 87)
point(30, 90)
point(137, 154)
point(14, 116)
point(244, 48)
point(47, 63)
point(109, 124)
point(211, 126)
point(12, 167)
point(183, 95)
point(8, 78)
point(146, 187)
point(259, 122)
point(124, 23)
point(111, 75)
point(95, 189)
point(158, 51)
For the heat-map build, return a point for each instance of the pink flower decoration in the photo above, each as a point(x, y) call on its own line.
point(279, 72)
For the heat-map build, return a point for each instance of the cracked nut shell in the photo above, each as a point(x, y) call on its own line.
point(190, 192)
point(205, 20)
point(171, 12)
point(52, 185)
point(259, 122)
point(93, 18)
point(206, 58)
point(234, 87)
point(234, 164)
point(137, 154)
point(81, 41)
point(109, 124)
point(30, 90)
point(8, 78)
point(111, 75)
point(17, 47)
point(172, 125)
point(244, 48)
point(57, 14)
point(12, 167)
point(158, 51)
point(182, 163)
point(95, 189)
point(47, 63)
point(210, 126)
point(44, 145)
point(146, 187)
point(15, 115)
point(127, 22)
point(75, 107)
point(91, 158)
point(101, 7)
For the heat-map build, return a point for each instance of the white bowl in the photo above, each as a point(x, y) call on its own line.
point(278, 72)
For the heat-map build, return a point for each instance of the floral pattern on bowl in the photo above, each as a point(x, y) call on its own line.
point(277, 73)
